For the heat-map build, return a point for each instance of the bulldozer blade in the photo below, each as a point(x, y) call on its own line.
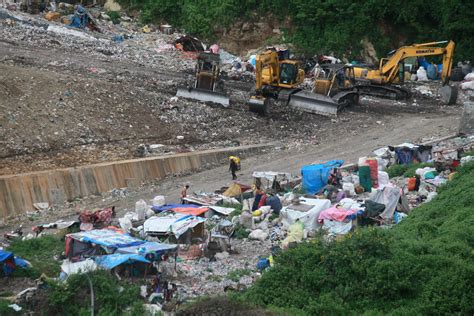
point(314, 103)
point(203, 95)
point(258, 105)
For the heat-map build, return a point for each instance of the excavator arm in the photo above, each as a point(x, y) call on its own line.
point(389, 67)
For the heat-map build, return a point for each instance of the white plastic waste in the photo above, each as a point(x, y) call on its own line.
point(362, 161)
point(469, 76)
point(125, 224)
point(159, 200)
point(384, 179)
point(431, 196)
point(468, 85)
point(258, 234)
point(140, 209)
point(355, 179)
point(421, 74)
point(348, 188)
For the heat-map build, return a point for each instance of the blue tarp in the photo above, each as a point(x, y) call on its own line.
point(167, 207)
point(107, 238)
point(148, 247)
point(21, 263)
point(111, 261)
point(315, 177)
point(5, 255)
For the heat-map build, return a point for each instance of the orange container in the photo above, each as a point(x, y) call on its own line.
point(374, 171)
point(411, 184)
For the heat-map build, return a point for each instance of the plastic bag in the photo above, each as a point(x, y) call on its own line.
point(295, 234)
point(421, 74)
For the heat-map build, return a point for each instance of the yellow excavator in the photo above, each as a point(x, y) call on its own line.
point(380, 82)
point(277, 76)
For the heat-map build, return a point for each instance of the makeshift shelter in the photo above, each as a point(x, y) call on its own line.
point(273, 181)
point(7, 262)
point(112, 261)
point(174, 224)
point(315, 177)
point(306, 212)
point(105, 241)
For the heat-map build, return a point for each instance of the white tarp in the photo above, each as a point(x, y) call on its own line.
point(388, 196)
point(85, 266)
point(222, 210)
point(337, 228)
point(176, 224)
point(308, 218)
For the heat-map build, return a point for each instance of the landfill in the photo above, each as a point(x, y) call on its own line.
point(108, 86)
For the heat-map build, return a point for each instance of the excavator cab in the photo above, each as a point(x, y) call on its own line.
point(276, 76)
point(207, 85)
point(288, 73)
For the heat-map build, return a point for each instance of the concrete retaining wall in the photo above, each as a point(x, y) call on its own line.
point(19, 192)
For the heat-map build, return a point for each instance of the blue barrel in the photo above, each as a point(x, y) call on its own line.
point(432, 72)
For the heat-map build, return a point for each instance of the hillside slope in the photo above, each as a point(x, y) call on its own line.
point(422, 266)
point(318, 26)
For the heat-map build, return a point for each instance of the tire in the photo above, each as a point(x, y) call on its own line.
point(456, 74)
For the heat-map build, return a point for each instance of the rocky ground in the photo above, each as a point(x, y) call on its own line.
point(69, 100)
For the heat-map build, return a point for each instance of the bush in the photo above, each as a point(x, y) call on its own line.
point(114, 16)
point(319, 26)
point(396, 170)
point(240, 232)
point(407, 171)
point(41, 253)
point(424, 265)
point(112, 297)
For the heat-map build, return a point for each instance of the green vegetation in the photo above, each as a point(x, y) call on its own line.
point(319, 26)
point(112, 297)
point(241, 232)
point(5, 310)
point(114, 16)
point(406, 170)
point(235, 275)
point(425, 265)
point(468, 153)
point(41, 253)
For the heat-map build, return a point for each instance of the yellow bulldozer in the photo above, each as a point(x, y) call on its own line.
point(333, 89)
point(207, 85)
point(382, 81)
point(277, 76)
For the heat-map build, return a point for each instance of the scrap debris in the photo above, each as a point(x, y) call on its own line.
point(212, 242)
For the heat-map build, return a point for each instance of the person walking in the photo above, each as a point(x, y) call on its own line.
point(184, 193)
point(233, 167)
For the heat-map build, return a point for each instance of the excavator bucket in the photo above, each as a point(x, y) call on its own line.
point(314, 103)
point(203, 95)
point(258, 105)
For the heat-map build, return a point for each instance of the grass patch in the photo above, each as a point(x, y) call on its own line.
point(407, 171)
point(241, 232)
point(5, 310)
point(235, 275)
point(114, 16)
point(423, 266)
point(468, 153)
point(40, 252)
